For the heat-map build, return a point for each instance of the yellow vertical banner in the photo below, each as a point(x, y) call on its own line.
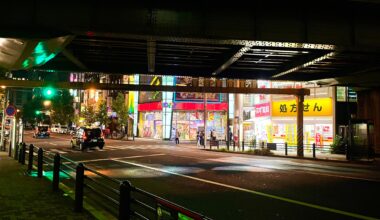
point(269, 133)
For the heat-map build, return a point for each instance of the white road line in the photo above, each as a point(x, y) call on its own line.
point(53, 144)
point(119, 158)
point(235, 160)
point(58, 151)
point(323, 208)
point(339, 176)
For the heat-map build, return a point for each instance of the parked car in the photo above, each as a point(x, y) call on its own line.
point(87, 138)
point(63, 129)
point(41, 132)
point(55, 128)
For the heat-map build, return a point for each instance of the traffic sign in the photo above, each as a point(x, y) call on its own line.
point(10, 110)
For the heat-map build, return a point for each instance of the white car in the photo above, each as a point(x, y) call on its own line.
point(63, 129)
point(55, 128)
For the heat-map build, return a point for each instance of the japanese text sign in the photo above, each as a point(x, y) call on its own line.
point(262, 110)
point(311, 107)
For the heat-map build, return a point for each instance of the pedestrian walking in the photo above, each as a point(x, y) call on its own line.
point(177, 134)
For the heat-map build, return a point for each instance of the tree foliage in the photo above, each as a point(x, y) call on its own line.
point(88, 114)
point(62, 108)
point(101, 114)
point(29, 110)
point(121, 109)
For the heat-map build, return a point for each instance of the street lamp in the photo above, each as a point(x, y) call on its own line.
point(47, 103)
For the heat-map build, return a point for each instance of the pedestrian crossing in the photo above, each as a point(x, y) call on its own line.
point(114, 148)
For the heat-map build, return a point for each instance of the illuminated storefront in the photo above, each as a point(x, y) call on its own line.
point(318, 121)
point(273, 117)
point(189, 109)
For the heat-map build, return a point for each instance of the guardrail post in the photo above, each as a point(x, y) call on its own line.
point(57, 163)
point(79, 184)
point(313, 150)
point(125, 200)
point(10, 149)
point(30, 163)
point(286, 148)
point(23, 150)
point(40, 162)
point(242, 143)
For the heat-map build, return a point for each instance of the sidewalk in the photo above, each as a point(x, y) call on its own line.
point(321, 156)
point(26, 197)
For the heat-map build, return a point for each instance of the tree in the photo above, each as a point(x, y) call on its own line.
point(88, 114)
point(121, 109)
point(31, 110)
point(62, 108)
point(101, 114)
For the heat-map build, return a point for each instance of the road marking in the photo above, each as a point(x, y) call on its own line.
point(300, 169)
point(119, 158)
point(327, 209)
point(53, 144)
point(339, 176)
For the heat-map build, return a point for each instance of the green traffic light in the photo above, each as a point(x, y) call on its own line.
point(38, 112)
point(48, 92)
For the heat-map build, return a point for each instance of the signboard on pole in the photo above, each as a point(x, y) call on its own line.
point(10, 111)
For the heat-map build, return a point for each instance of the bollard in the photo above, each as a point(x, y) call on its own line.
point(125, 200)
point(313, 150)
point(242, 143)
point(10, 149)
point(228, 145)
point(57, 163)
point(30, 163)
point(286, 149)
point(40, 162)
point(23, 149)
point(20, 152)
point(234, 145)
point(79, 184)
point(262, 145)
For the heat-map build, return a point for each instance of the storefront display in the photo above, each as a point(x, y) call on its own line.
point(150, 125)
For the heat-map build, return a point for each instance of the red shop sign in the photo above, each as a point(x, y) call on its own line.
point(262, 110)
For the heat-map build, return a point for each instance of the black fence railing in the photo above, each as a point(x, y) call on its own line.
point(122, 198)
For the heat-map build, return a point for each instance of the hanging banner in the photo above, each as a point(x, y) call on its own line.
point(312, 107)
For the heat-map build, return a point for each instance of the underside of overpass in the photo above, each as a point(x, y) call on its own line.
point(332, 42)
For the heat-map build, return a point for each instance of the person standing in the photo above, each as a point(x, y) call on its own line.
point(177, 134)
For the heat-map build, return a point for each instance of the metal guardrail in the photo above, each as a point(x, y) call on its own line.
point(127, 201)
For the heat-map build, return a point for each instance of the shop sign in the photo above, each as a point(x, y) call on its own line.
point(262, 110)
point(312, 107)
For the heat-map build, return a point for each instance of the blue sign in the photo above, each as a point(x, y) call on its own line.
point(10, 110)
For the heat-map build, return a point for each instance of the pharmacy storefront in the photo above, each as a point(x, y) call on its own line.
point(318, 122)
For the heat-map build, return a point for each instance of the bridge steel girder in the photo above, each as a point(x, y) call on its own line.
point(347, 24)
point(130, 87)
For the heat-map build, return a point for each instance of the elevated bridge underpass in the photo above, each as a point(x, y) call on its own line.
point(280, 40)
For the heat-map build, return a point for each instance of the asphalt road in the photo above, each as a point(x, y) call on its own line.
point(234, 186)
